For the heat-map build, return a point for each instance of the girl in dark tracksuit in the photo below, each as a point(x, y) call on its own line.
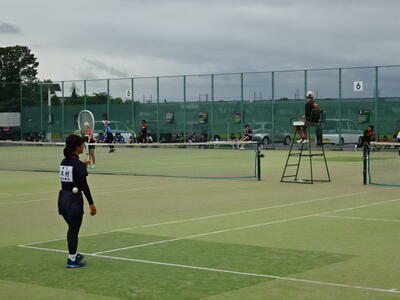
point(73, 174)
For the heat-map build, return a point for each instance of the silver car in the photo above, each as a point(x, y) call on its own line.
point(350, 133)
point(263, 132)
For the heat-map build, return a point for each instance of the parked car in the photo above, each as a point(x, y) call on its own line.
point(116, 127)
point(10, 133)
point(263, 132)
point(351, 134)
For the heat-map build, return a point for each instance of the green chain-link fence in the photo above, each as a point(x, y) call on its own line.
point(211, 104)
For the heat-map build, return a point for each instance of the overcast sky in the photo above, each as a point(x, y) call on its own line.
point(121, 38)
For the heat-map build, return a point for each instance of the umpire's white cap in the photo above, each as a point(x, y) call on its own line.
point(310, 94)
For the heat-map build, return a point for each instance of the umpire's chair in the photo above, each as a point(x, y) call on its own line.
point(295, 156)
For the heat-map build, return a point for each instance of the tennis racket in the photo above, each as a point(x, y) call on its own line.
point(86, 126)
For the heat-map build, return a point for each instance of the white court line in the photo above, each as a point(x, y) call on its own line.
point(102, 193)
point(207, 217)
point(324, 283)
point(55, 191)
point(362, 219)
point(246, 227)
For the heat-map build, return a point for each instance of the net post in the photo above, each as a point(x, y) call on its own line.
point(259, 156)
point(365, 163)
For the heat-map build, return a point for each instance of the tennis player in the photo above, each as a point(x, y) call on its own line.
point(109, 135)
point(73, 174)
point(88, 134)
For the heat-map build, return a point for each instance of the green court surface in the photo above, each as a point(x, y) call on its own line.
point(191, 238)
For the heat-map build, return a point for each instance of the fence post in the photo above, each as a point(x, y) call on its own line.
point(340, 105)
point(108, 100)
point(376, 104)
point(62, 110)
point(157, 109)
point(305, 84)
point(184, 107)
point(241, 104)
point(84, 94)
point(20, 110)
point(133, 105)
point(273, 107)
point(212, 108)
point(41, 109)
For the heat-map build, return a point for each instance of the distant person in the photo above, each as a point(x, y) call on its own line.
point(368, 136)
point(119, 138)
point(132, 139)
point(88, 134)
point(247, 135)
point(109, 135)
point(192, 139)
point(143, 132)
point(100, 138)
point(307, 118)
point(233, 138)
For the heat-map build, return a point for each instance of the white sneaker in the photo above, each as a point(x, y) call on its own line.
point(355, 147)
point(305, 141)
point(93, 166)
point(299, 141)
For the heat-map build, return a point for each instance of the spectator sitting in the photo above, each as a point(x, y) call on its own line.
point(119, 138)
point(193, 138)
point(369, 135)
point(132, 139)
point(204, 138)
point(233, 138)
point(100, 138)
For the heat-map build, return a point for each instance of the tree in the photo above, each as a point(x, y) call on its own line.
point(17, 64)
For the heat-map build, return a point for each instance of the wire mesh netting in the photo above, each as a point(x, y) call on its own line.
point(193, 160)
point(384, 163)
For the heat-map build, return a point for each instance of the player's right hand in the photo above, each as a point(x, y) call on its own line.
point(93, 209)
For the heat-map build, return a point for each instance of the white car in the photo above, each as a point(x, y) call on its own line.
point(351, 134)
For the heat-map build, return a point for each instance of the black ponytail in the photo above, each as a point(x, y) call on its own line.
point(71, 143)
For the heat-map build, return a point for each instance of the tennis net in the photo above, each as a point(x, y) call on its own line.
point(382, 164)
point(192, 160)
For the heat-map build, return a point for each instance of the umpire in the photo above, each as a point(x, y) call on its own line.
point(73, 175)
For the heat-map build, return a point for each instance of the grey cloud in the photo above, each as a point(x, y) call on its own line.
point(159, 37)
point(103, 67)
point(9, 28)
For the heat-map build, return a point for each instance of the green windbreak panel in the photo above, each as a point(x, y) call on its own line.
point(174, 160)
